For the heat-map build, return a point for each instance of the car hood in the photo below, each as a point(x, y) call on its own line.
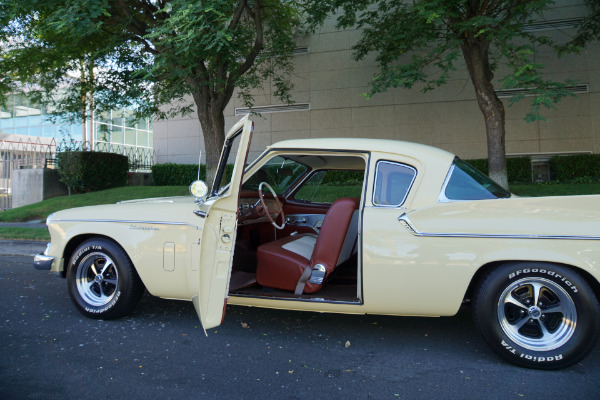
point(156, 210)
point(572, 216)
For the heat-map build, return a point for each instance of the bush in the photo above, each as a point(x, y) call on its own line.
point(576, 168)
point(170, 174)
point(518, 169)
point(86, 171)
point(342, 178)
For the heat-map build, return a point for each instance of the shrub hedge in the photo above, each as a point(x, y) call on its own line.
point(582, 168)
point(170, 174)
point(573, 168)
point(87, 171)
point(518, 169)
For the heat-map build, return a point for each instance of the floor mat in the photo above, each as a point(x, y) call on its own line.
point(241, 279)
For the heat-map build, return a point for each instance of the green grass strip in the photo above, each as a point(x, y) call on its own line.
point(25, 234)
point(41, 210)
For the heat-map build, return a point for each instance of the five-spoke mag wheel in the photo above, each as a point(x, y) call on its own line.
point(97, 279)
point(102, 281)
point(537, 315)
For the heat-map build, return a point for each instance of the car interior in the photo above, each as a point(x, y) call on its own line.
point(298, 227)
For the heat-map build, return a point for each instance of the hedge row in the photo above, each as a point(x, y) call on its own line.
point(579, 167)
point(87, 171)
point(573, 168)
point(518, 169)
point(171, 174)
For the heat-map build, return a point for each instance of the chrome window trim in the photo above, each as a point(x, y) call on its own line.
point(442, 197)
point(405, 220)
point(123, 221)
point(407, 191)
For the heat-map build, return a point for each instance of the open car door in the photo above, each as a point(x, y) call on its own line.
point(220, 227)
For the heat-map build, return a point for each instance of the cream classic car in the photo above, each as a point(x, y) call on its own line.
point(348, 226)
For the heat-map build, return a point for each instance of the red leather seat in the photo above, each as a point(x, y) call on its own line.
point(282, 262)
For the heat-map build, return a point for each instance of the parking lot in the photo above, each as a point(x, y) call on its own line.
point(48, 350)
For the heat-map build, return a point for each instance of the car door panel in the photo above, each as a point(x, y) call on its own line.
point(219, 232)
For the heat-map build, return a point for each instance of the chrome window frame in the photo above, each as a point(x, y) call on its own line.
point(414, 177)
point(442, 197)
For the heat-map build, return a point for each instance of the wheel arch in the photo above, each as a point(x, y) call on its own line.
point(75, 241)
point(486, 268)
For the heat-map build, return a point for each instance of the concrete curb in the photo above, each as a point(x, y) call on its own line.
point(32, 224)
point(21, 247)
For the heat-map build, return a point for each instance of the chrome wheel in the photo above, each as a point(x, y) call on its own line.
point(97, 279)
point(537, 314)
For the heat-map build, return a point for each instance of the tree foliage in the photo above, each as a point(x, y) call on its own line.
point(589, 29)
point(422, 42)
point(165, 57)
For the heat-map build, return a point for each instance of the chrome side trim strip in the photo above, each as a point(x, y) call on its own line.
point(404, 220)
point(122, 221)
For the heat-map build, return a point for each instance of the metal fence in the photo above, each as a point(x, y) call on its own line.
point(35, 154)
point(17, 155)
point(140, 159)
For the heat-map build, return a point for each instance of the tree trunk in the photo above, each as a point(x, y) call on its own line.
point(475, 53)
point(212, 122)
point(84, 105)
point(91, 80)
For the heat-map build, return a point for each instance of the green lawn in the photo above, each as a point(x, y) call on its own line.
point(41, 210)
point(555, 189)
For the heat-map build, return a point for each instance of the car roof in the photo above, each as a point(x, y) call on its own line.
point(362, 144)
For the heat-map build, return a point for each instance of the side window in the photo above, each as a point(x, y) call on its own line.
point(326, 186)
point(392, 183)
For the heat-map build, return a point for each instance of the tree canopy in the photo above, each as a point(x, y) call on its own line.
point(165, 57)
point(421, 42)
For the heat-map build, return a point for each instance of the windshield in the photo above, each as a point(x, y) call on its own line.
point(279, 172)
point(466, 183)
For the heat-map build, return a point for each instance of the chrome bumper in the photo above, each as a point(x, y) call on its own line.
point(43, 262)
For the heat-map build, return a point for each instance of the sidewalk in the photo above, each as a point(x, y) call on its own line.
point(30, 224)
point(22, 247)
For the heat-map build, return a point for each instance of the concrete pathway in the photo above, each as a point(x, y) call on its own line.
point(21, 247)
point(30, 224)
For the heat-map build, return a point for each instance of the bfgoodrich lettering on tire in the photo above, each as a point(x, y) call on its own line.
point(102, 282)
point(537, 315)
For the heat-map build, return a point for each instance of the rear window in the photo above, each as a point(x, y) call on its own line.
point(466, 183)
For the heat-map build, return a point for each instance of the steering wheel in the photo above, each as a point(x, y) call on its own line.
point(261, 197)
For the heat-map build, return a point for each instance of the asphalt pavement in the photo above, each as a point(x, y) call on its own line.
point(50, 351)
